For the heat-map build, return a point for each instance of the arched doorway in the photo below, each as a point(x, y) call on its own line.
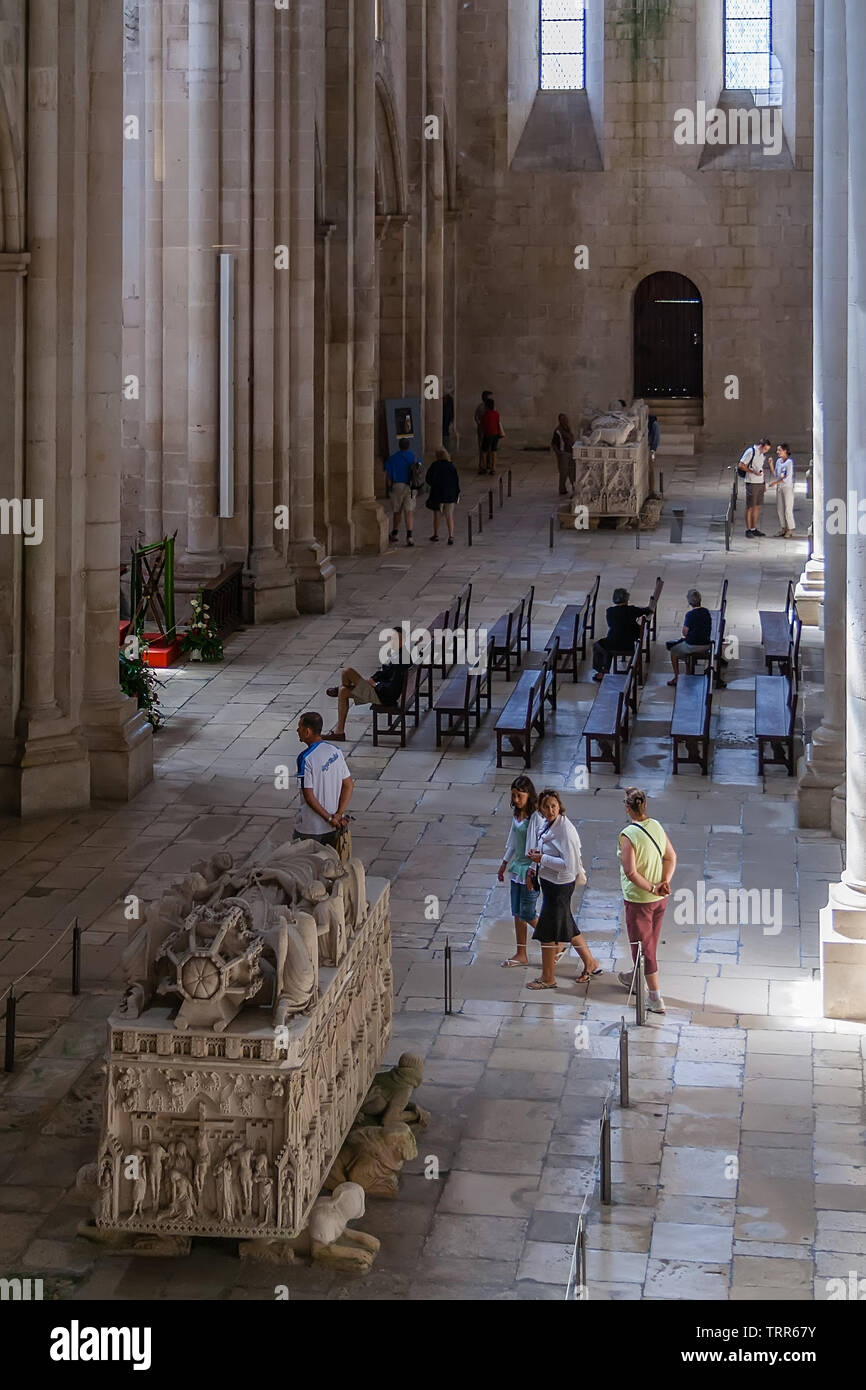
point(668, 337)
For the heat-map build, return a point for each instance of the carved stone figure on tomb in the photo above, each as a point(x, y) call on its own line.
point(287, 1194)
point(332, 1243)
point(182, 1197)
point(389, 1099)
point(215, 955)
point(127, 1089)
point(202, 1161)
point(139, 1182)
point(328, 912)
point(156, 1158)
point(373, 1157)
point(266, 1200)
point(105, 1182)
point(225, 1189)
point(243, 1156)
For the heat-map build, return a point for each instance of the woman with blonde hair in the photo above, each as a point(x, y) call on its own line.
point(560, 868)
point(444, 484)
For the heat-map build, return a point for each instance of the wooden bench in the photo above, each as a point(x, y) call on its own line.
point(523, 713)
point(526, 619)
point(506, 634)
point(593, 599)
point(777, 633)
point(461, 699)
point(570, 635)
point(627, 681)
point(396, 716)
point(651, 625)
point(775, 717)
point(606, 726)
point(690, 722)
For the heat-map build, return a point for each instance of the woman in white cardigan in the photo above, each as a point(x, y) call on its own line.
point(560, 868)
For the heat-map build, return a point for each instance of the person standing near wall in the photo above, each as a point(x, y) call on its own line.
point(399, 470)
point(480, 409)
point(751, 468)
point(491, 433)
point(647, 864)
point(444, 484)
point(783, 482)
point(562, 444)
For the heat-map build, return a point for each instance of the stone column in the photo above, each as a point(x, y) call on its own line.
point(824, 766)
point(843, 921)
point(810, 590)
point(434, 289)
point(118, 735)
point(315, 575)
point(202, 558)
point(52, 768)
point(154, 165)
point(368, 519)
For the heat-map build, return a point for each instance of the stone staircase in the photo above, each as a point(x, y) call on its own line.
point(679, 421)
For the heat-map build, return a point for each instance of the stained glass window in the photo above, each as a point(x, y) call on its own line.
point(562, 65)
point(750, 64)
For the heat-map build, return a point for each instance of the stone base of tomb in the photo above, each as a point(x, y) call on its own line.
point(232, 1133)
point(610, 480)
point(134, 1243)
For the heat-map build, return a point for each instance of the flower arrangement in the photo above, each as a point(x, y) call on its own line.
point(137, 678)
point(201, 640)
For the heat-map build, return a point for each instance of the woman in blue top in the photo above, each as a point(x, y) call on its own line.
point(522, 837)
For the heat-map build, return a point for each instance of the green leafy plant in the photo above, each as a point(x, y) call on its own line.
point(201, 635)
point(137, 678)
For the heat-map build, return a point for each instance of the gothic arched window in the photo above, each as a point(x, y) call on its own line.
point(562, 47)
point(750, 64)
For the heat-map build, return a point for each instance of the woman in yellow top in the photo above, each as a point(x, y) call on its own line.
point(647, 861)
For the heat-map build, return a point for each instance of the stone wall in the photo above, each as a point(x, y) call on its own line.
point(545, 336)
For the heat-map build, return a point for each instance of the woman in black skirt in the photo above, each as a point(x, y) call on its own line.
point(560, 868)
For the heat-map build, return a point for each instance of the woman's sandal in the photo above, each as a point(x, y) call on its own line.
point(512, 964)
point(540, 984)
point(588, 975)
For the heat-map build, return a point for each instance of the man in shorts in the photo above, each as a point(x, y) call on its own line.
point(382, 688)
point(491, 433)
point(480, 409)
point(398, 471)
point(751, 467)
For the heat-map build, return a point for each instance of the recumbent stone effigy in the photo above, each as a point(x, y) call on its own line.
point(258, 1006)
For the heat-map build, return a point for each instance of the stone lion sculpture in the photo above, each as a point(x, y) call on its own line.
point(373, 1157)
point(389, 1100)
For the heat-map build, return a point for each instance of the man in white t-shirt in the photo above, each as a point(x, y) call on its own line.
point(751, 467)
point(325, 783)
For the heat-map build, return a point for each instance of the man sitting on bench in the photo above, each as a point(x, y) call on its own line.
point(383, 688)
point(697, 634)
point(622, 633)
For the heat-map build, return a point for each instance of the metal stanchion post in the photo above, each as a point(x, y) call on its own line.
point(580, 1270)
point(480, 520)
point(10, 1030)
point(623, 1065)
point(550, 540)
point(604, 1155)
point(640, 992)
point(447, 976)
point(76, 958)
point(637, 534)
point(469, 525)
point(501, 498)
point(661, 483)
point(509, 482)
point(490, 504)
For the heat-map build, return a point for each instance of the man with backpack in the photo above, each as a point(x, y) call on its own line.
point(405, 476)
point(751, 470)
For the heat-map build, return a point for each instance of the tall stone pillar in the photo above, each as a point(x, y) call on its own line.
point(51, 767)
point(810, 590)
point(315, 575)
point(843, 921)
point(154, 179)
point(117, 734)
point(202, 558)
point(368, 519)
point(820, 804)
point(434, 287)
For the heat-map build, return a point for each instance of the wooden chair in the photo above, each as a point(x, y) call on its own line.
point(396, 717)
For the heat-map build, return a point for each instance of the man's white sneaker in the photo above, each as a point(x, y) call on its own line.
point(655, 1006)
